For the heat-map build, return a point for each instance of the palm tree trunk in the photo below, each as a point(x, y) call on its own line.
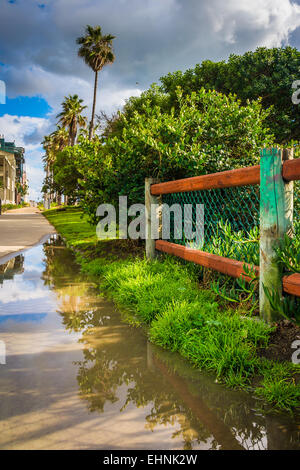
point(91, 130)
point(47, 195)
point(73, 132)
point(51, 193)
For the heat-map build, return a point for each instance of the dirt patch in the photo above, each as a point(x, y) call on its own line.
point(281, 340)
point(115, 249)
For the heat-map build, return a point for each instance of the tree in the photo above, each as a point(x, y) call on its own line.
point(65, 173)
point(71, 116)
point(49, 150)
point(108, 125)
point(209, 132)
point(265, 73)
point(53, 144)
point(60, 138)
point(48, 160)
point(22, 189)
point(96, 50)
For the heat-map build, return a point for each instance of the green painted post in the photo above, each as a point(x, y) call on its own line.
point(276, 219)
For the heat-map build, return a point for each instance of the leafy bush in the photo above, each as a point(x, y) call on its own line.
point(8, 207)
point(267, 73)
point(209, 132)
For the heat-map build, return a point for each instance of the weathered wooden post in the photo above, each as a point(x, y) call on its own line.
point(288, 154)
point(276, 219)
point(152, 218)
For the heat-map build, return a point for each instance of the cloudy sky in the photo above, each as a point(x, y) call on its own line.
point(39, 63)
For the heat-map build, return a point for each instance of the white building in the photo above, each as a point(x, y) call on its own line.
point(7, 177)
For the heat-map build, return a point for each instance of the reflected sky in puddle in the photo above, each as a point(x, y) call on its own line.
point(77, 377)
point(23, 317)
point(23, 294)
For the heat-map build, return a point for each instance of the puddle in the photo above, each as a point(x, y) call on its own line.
point(76, 377)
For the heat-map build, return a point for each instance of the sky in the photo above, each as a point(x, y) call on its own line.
point(39, 63)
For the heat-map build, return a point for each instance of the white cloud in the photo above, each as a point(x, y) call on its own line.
point(17, 128)
point(153, 38)
point(114, 98)
point(269, 21)
point(20, 292)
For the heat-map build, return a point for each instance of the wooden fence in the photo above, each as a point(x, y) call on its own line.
point(275, 175)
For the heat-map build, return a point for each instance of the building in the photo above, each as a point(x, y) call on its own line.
point(7, 175)
point(12, 172)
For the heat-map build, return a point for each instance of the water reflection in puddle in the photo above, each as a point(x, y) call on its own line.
point(76, 377)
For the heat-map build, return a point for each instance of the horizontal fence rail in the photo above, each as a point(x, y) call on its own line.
point(230, 267)
point(291, 284)
point(218, 263)
point(224, 179)
point(291, 170)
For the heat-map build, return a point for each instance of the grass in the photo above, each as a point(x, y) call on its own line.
point(69, 222)
point(164, 294)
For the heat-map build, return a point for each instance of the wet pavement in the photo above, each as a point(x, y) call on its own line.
point(77, 377)
point(20, 229)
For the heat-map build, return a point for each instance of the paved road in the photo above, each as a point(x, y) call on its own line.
point(20, 229)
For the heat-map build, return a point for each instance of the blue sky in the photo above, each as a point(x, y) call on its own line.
point(39, 63)
point(26, 106)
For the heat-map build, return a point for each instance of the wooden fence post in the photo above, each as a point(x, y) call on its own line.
point(151, 202)
point(288, 154)
point(276, 219)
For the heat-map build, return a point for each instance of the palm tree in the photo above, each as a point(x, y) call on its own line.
point(60, 139)
point(96, 50)
point(48, 147)
point(71, 117)
point(49, 157)
point(53, 143)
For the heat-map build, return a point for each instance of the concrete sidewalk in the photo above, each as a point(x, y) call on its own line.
point(21, 229)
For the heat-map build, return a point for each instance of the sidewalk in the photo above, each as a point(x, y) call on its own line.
point(20, 229)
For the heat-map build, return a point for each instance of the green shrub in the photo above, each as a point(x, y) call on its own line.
point(8, 207)
point(208, 132)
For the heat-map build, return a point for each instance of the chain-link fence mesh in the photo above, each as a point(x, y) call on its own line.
point(239, 206)
point(231, 220)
